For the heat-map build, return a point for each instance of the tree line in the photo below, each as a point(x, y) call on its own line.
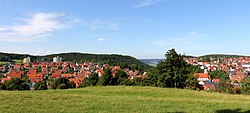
point(113, 59)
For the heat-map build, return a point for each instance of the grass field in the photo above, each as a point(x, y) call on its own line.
point(18, 61)
point(1, 62)
point(121, 99)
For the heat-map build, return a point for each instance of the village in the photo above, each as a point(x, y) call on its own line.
point(237, 69)
point(74, 72)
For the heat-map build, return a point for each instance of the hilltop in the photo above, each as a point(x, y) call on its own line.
point(122, 99)
point(111, 59)
point(152, 62)
point(216, 56)
point(222, 56)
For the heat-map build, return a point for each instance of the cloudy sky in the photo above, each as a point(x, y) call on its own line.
point(140, 28)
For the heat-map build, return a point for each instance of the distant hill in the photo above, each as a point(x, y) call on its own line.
point(111, 59)
point(221, 56)
point(216, 56)
point(207, 58)
point(152, 62)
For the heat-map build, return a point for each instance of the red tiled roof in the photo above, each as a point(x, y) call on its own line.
point(76, 81)
point(136, 72)
point(15, 74)
point(5, 79)
point(56, 75)
point(202, 75)
point(67, 75)
point(82, 75)
point(26, 65)
point(36, 77)
point(17, 66)
point(216, 81)
point(101, 72)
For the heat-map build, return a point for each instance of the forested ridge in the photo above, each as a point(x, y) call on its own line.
point(111, 59)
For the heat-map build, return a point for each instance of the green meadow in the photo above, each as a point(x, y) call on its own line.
point(114, 99)
point(2, 62)
point(16, 61)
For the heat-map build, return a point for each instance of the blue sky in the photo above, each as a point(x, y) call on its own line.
point(140, 28)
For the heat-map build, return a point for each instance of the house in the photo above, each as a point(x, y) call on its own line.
point(87, 73)
point(44, 64)
point(136, 72)
point(202, 77)
point(26, 65)
point(15, 74)
point(18, 66)
point(32, 71)
point(217, 81)
point(67, 75)
point(56, 75)
point(34, 78)
point(117, 67)
point(5, 79)
point(53, 69)
point(35, 65)
point(144, 75)
point(77, 81)
point(209, 87)
point(62, 70)
point(236, 79)
point(81, 75)
point(100, 72)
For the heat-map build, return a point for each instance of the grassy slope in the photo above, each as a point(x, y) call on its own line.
point(1, 62)
point(120, 99)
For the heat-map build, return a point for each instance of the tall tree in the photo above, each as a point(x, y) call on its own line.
point(173, 72)
point(90, 81)
point(106, 78)
point(120, 78)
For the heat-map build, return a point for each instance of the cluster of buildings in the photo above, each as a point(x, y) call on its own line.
point(237, 68)
point(75, 72)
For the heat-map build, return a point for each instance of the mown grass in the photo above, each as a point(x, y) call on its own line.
point(2, 62)
point(17, 61)
point(121, 99)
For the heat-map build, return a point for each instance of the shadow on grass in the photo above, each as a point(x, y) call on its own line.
point(231, 111)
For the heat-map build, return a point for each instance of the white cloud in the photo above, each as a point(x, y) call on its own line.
point(147, 3)
point(188, 39)
point(35, 28)
point(100, 39)
point(3, 29)
point(41, 26)
point(97, 24)
point(40, 23)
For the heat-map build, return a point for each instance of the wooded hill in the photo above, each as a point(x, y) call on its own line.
point(216, 56)
point(222, 56)
point(111, 59)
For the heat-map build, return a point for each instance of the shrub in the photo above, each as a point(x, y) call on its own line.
point(16, 84)
point(62, 86)
point(40, 86)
